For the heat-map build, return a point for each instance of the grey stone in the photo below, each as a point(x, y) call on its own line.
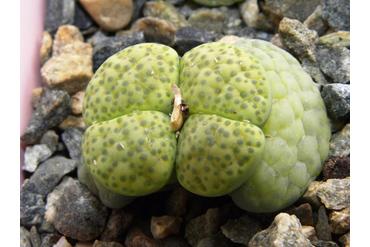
point(334, 61)
point(166, 11)
point(217, 240)
point(251, 33)
point(316, 22)
point(335, 193)
point(50, 138)
point(337, 100)
point(117, 225)
point(186, 38)
point(48, 240)
point(337, 13)
point(241, 230)
point(34, 155)
point(208, 19)
point(299, 9)
point(82, 19)
point(203, 226)
point(25, 239)
point(298, 39)
point(233, 22)
point(50, 172)
point(340, 142)
point(104, 48)
point(35, 237)
point(138, 10)
point(32, 206)
point(75, 211)
point(72, 138)
point(301, 42)
point(53, 109)
point(284, 231)
point(155, 30)
point(322, 226)
point(58, 13)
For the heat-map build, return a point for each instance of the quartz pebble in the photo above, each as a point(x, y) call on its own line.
point(34, 155)
point(77, 102)
point(165, 225)
point(284, 231)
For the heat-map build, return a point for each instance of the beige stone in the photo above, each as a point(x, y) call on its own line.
point(36, 96)
point(66, 34)
point(77, 100)
point(340, 221)
point(165, 225)
point(73, 121)
point(71, 70)
point(46, 47)
point(111, 15)
point(309, 232)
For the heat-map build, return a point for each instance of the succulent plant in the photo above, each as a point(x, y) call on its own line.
point(256, 126)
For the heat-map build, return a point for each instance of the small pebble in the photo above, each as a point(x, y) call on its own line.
point(73, 121)
point(143, 241)
point(316, 22)
point(35, 237)
point(304, 213)
point(322, 226)
point(77, 102)
point(46, 47)
point(336, 167)
point(165, 225)
point(309, 232)
point(63, 242)
point(340, 142)
point(58, 13)
point(117, 225)
point(50, 138)
point(66, 34)
point(25, 239)
point(32, 205)
point(340, 38)
point(293, 10)
point(82, 20)
point(337, 101)
point(335, 193)
point(98, 243)
point(340, 221)
point(207, 19)
point(345, 240)
point(337, 13)
point(111, 15)
point(72, 139)
point(34, 155)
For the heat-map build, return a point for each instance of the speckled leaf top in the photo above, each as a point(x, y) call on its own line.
point(257, 128)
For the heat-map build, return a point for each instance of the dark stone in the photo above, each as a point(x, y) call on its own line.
point(32, 206)
point(336, 167)
point(321, 243)
point(299, 9)
point(138, 10)
point(322, 226)
point(241, 230)
point(53, 108)
point(203, 226)
point(176, 202)
point(58, 13)
point(337, 101)
point(143, 241)
point(303, 213)
point(98, 243)
point(117, 225)
point(251, 33)
point(49, 173)
point(104, 48)
point(50, 138)
point(82, 19)
point(186, 38)
point(173, 241)
point(72, 138)
point(217, 240)
point(78, 213)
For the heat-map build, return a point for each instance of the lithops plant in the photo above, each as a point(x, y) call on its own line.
point(129, 146)
point(256, 126)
